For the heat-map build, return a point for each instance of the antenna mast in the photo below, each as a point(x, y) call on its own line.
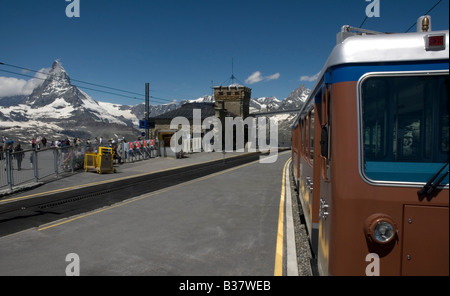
point(232, 78)
point(232, 71)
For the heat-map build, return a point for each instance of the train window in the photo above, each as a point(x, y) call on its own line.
point(375, 100)
point(325, 105)
point(322, 118)
point(443, 118)
point(303, 137)
point(307, 135)
point(324, 142)
point(404, 126)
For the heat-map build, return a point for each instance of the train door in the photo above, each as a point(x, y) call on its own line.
point(324, 229)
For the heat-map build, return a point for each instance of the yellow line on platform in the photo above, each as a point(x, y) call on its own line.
point(278, 271)
point(51, 225)
point(54, 224)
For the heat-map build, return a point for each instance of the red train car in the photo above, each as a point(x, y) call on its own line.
point(370, 152)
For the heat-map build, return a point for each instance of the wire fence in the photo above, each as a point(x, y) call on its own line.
point(26, 166)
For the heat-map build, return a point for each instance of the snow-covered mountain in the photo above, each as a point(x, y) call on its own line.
point(58, 109)
point(204, 99)
point(296, 98)
point(264, 104)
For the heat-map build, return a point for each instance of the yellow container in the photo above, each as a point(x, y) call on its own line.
point(102, 162)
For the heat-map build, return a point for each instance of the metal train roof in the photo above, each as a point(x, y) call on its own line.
point(386, 48)
point(379, 48)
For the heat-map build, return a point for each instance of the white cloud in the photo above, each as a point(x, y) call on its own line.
point(10, 86)
point(273, 77)
point(310, 78)
point(257, 77)
point(254, 78)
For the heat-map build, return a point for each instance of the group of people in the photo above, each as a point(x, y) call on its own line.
point(36, 143)
point(16, 151)
point(41, 142)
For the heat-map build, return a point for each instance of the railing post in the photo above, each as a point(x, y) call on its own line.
point(35, 165)
point(55, 161)
point(9, 171)
point(124, 156)
point(71, 149)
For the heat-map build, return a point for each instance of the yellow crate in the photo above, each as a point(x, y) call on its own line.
point(102, 162)
point(90, 160)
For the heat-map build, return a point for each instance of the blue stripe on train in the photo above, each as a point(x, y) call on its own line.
point(353, 72)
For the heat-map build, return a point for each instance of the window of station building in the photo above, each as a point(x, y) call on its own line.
point(404, 126)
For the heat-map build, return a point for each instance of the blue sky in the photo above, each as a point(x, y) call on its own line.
point(182, 47)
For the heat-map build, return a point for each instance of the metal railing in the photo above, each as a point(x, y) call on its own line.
point(27, 166)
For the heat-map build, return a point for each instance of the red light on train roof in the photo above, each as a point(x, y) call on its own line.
point(435, 42)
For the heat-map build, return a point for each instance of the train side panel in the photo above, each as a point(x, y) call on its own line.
point(307, 134)
point(350, 201)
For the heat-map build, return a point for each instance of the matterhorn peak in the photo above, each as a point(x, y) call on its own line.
point(58, 73)
point(56, 85)
point(57, 66)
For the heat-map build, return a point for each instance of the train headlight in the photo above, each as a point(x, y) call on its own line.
point(380, 228)
point(383, 231)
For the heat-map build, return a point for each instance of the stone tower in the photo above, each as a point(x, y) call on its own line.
point(234, 99)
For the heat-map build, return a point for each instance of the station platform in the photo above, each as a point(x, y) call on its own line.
point(231, 223)
point(82, 179)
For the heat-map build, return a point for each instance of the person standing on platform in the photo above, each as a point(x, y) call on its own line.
point(18, 155)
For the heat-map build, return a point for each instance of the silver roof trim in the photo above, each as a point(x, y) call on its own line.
point(386, 48)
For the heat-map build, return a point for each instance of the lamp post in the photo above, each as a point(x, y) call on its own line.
point(147, 110)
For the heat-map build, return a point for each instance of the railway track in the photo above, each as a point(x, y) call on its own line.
point(36, 211)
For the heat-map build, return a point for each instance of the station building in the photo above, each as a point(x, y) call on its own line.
point(230, 101)
point(235, 99)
